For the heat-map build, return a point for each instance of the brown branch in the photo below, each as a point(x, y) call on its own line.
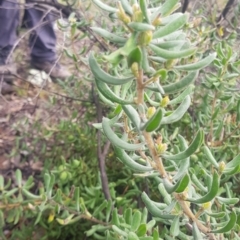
point(101, 153)
point(140, 87)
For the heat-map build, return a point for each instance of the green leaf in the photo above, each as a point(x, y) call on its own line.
point(198, 65)
point(178, 113)
point(168, 54)
point(196, 143)
point(216, 214)
point(211, 194)
point(104, 89)
point(171, 27)
point(196, 232)
point(132, 114)
point(183, 95)
point(182, 84)
point(142, 230)
point(108, 35)
point(136, 220)
point(115, 218)
point(210, 156)
point(115, 140)
point(132, 236)
point(165, 9)
point(101, 75)
point(144, 9)
point(134, 56)
point(119, 231)
point(145, 238)
point(127, 7)
point(104, 6)
point(153, 209)
point(154, 122)
point(174, 229)
point(234, 162)
point(2, 220)
point(179, 187)
point(155, 234)
point(228, 200)
point(141, 27)
point(231, 223)
point(129, 162)
point(144, 215)
point(19, 178)
point(128, 216)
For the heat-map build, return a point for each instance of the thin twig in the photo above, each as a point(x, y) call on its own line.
point(101, 153)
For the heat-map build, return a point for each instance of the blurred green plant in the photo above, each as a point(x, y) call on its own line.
point(172, 115)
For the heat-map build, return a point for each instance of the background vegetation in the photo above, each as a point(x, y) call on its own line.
point(60, 176)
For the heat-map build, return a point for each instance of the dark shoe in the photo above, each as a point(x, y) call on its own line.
point(54, 69)
point(8, 72)
point(6, 88)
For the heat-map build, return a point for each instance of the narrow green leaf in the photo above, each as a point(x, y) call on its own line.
point(19, 178)
point(196, 232)
point(115, 140)
point(108, 35)
point(153, 209)
point(228, 201)
point(103, 76)
point(168, 54)
point(142, 230)
point(136, 220)
point(211, 194)
point(178, 113)
point(198, 65)
point(144, 9)
point(134, 56)
point(234, 162)
point(141, 27)
point(154, 122)
point(174, 229)
point(182, 84)
point(171, 27)
point(129, 162)
point(210, 156)
point(115, 218)
point(231, 223)
point(133, 115)
point(132, 236)
point(196, 143)
point(178, 187)
point(128, 216)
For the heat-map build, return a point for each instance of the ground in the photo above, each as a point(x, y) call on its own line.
point(31, 104)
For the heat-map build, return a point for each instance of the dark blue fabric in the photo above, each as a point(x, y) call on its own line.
point(42, 40)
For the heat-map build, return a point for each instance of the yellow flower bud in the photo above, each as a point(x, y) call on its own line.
point(150, 112)
point(221, 167)
point(137, 13)
point(164, 101)
point(170, 63)
point(145, 38)
point(156, 22)
point(137, 16)
point(51, 217)
point(122, 15)
point(161, 148)
point(206, 205)
point(135, 69)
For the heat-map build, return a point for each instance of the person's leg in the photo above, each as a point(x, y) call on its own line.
point(43, 43)
point(9, 21)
